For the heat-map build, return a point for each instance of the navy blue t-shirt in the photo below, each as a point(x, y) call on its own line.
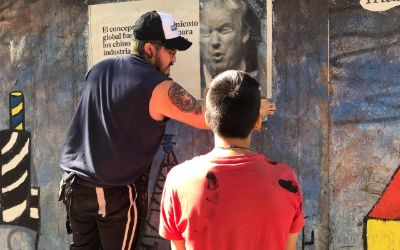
point(113, 139)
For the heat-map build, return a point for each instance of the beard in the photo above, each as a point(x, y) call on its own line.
point(166, 70)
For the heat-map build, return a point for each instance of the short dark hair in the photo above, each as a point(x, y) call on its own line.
point(233, 104)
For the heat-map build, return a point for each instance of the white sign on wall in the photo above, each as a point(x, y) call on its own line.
point(379, 5)
point(110, 28)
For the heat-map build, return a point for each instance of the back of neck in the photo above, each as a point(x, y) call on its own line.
point(231, 146)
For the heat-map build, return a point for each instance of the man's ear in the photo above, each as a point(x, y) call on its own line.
point(246, 36)
point(207, 118)
point(257, 125)
point(148, 49)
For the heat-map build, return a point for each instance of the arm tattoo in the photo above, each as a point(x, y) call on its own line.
point(183, 100)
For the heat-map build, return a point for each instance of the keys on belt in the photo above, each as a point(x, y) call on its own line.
point(65, 186)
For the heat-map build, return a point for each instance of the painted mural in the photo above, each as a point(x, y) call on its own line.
point(19, 201)
point(151, 240)
point(382, 225)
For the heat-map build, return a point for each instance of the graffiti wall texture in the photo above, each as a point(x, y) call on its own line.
point(42, 52)
point(298, 133)
point(150, 239)
point(364, 136)
point(335, 82)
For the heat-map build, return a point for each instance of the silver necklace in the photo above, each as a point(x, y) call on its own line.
point(231, 147)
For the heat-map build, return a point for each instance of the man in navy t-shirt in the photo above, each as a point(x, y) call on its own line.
point(116, 131)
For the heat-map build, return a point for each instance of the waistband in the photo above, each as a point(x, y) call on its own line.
point(68, 176)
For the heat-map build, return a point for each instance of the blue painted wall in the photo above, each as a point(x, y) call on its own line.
point(364, 111)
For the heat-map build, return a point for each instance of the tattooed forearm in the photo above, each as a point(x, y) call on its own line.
point(183, 100)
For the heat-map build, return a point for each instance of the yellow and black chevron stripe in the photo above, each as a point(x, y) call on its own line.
point(17, 111)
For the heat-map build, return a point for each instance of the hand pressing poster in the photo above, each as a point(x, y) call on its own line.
point(111, 30)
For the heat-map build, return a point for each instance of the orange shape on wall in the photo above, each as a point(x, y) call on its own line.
point(382, 225)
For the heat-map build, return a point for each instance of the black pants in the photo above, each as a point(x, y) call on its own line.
point(106, 218)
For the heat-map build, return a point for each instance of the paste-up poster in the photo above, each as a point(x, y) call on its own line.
point(226, 34)
point(236, 34)
point(110, 33)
